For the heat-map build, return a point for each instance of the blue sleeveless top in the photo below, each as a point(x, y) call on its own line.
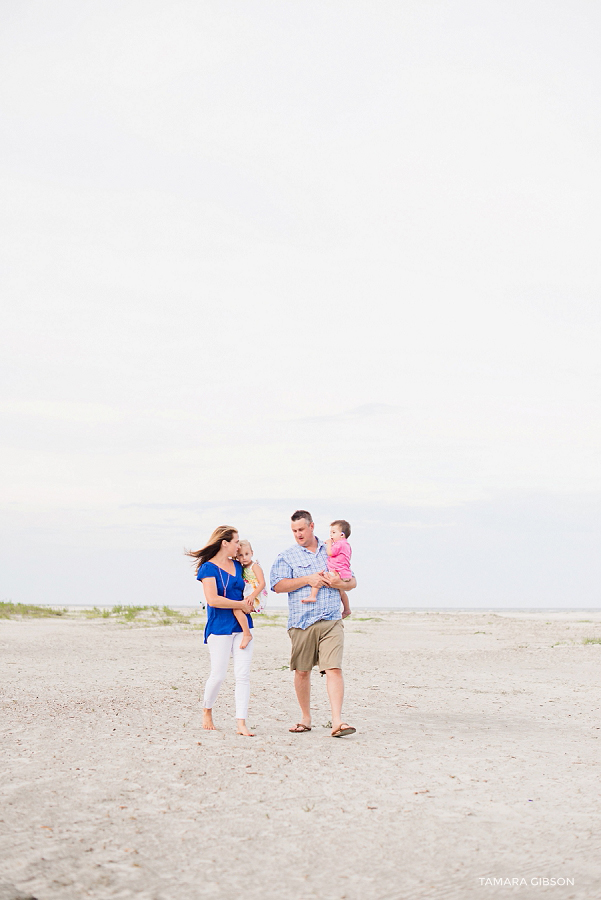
point(223, 621)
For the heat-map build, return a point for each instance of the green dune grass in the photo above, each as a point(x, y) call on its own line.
point(8, 609)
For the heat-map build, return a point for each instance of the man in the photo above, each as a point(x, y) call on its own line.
point(316, 630)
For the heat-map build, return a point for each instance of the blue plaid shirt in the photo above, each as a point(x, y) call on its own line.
point(297, 562)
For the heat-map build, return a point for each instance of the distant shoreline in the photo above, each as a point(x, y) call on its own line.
point(372, 609)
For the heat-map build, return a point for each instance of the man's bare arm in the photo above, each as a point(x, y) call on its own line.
point(287, 585)
point(334, 581)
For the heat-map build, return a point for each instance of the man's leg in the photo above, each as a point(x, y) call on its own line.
point(302, 686)
point(335, 686)
point(302, 659)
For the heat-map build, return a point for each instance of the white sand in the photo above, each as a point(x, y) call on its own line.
point(477, 755)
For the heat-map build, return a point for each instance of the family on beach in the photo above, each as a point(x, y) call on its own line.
point(316, 575)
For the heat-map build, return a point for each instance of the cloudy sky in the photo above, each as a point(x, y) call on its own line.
point(339, 255)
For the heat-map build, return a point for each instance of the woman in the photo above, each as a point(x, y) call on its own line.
point(221, 576)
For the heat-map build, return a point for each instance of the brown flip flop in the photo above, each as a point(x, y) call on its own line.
point(298, 729)
point(343, 730)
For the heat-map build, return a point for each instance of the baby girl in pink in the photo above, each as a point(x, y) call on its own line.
point(339, 561)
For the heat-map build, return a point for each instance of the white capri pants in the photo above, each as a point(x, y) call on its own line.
point(221, 647)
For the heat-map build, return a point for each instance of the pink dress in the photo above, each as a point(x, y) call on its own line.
point(340, 560)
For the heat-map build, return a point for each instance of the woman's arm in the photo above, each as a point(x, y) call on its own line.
point(209, 586)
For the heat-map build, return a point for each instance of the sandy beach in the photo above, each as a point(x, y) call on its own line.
point(476, 758)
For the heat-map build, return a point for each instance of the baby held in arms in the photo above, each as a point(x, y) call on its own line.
point(254, 589)
point(339, 561)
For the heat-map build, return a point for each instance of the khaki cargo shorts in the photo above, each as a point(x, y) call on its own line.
point(321, 644)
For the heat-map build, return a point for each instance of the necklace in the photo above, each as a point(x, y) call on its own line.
point(224, 586)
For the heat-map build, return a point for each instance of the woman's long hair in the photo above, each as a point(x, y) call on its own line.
point(213, 545)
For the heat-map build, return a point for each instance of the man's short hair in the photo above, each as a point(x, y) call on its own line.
point(302, 514)
point(344, 526)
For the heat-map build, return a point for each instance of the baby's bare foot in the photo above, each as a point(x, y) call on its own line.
point(345, 613)
point(207, 720)
point(246, 639)
point(242, 729)
point(309, 600)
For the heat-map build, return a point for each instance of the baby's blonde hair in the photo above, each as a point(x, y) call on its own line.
point(246, 544)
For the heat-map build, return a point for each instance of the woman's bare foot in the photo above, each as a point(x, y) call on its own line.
point(246, 639)
point(207, 720)
point(242, 729)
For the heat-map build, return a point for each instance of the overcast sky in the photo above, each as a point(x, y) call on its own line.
point(338, 255)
